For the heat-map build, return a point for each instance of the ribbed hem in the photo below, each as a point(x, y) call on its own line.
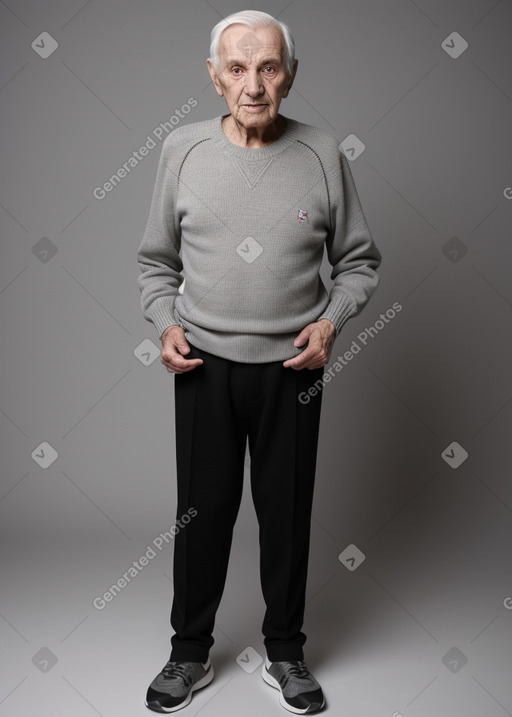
point(243, 348)
point(161, 313)
point(261, 348)
point(338, 311)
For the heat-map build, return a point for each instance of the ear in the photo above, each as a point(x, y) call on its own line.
point(292, 78)
point(214, 76)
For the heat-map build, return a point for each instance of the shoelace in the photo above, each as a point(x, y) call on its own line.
point(175, 669)
point(297, 669)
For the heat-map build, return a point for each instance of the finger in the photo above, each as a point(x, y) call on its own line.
point(300, 360)
point(186, 365)
point(183, 348)
point(298, 366)
point(314, 361)
point(172, 353)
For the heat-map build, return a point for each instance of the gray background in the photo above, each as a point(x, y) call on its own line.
point(392, 636)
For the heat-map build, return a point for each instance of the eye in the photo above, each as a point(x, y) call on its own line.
point(234, 70)
point(269, 67)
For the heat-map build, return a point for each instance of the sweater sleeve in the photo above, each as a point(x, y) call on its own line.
point(351, 252)
point(158, 255)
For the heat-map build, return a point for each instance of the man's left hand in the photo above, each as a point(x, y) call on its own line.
point(320, 335)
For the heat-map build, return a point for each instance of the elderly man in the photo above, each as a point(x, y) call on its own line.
point(242, 208)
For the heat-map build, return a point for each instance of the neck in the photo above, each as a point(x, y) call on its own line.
point(253, 137)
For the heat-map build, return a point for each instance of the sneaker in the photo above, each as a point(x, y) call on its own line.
point(172, 688)
point(300, 692)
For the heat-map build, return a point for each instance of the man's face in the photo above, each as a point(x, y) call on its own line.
point(252, 75)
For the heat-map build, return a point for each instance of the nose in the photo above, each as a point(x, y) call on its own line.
point(253, 86)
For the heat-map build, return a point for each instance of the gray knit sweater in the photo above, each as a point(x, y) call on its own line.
point(246, 228)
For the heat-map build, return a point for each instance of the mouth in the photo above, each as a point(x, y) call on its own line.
point(254, 107)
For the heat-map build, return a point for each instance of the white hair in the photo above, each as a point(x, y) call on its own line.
point(253, 19)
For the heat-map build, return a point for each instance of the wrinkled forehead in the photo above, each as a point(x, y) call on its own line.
point(242, 44)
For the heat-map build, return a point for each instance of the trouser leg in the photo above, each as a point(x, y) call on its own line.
point(210, 449)
point(283, 437)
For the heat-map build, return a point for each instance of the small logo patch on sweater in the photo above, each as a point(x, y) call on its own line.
point(302, 215)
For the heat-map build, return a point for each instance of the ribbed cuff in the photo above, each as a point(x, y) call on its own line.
point(339, 310)
point(161, 313)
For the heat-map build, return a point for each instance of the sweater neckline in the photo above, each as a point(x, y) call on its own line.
point(254, 153)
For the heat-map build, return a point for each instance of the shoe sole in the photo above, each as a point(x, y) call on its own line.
point(274, 683)
point(197, 686)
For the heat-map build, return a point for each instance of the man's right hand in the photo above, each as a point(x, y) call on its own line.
point(174, 344)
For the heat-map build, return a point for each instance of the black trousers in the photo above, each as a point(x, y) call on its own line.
point(219, 405)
